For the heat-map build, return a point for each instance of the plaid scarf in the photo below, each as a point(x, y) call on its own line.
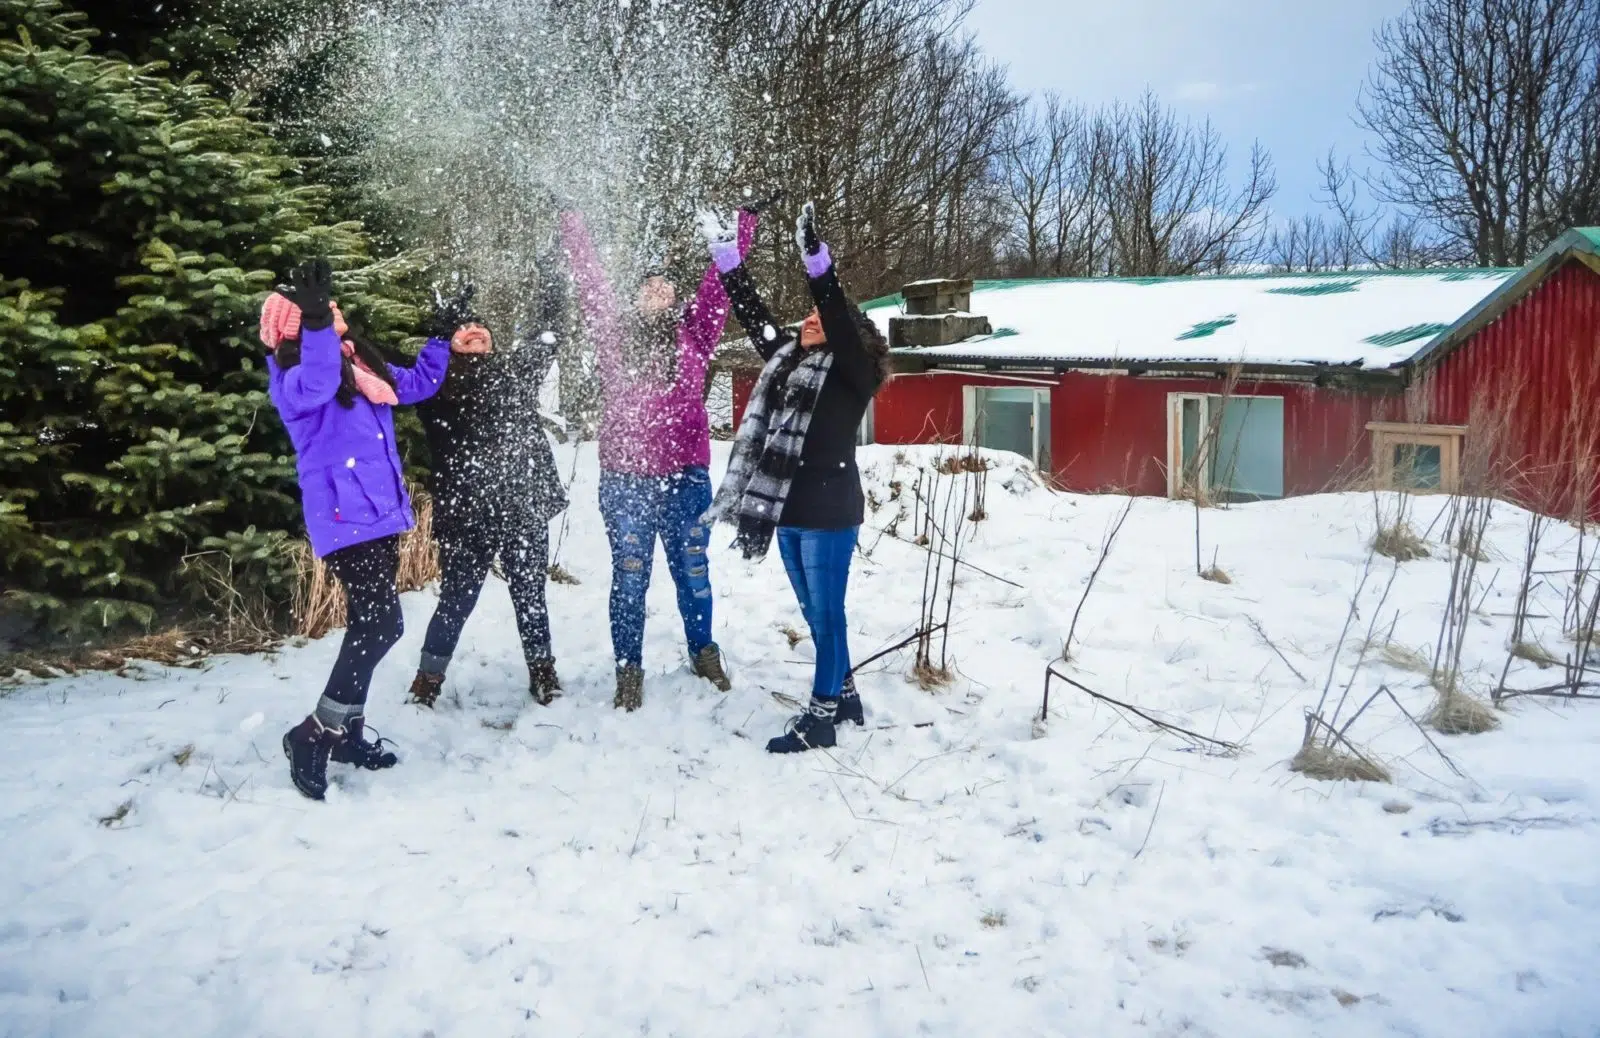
point(769, 445)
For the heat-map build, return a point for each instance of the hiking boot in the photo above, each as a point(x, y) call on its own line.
point(308, 745)
point(543, 685)
point(630, 688)
point(707, 663)
point(425, 689)
point(355, 749)
point(812, 730)
point(850, 704)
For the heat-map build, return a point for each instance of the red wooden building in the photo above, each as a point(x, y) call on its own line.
point(1262, 386)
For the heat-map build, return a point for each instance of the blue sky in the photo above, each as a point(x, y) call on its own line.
point(1285, 72)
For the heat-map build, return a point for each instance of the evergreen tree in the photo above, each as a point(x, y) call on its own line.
point(142, 219)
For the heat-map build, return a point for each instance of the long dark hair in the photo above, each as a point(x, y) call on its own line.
point(873, 342)
point(376, 358)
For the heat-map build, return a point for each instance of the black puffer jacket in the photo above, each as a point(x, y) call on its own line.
point(492, 464)
point(826, 491)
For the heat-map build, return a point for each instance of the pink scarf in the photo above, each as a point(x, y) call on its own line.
point(280, 320)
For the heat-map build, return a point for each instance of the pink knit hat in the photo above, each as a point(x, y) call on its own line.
point(280, 320)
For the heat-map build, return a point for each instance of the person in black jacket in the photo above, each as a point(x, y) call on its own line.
point(495, 488)
point(793, 472)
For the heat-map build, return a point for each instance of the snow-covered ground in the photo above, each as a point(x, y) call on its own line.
point(575, 871)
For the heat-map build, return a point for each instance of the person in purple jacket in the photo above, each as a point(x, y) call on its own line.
point(655, 445)
point(336, 395)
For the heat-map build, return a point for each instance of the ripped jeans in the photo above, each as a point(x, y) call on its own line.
point(638, 510)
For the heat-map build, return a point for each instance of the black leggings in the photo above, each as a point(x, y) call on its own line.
point(367, 571)
point(465, 558)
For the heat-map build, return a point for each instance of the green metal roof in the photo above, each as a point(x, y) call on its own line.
point(1318, 282)
point(1579, 242)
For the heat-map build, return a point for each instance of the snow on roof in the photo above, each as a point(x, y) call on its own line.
point(1366, 319)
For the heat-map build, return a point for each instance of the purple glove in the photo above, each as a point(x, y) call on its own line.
point(722, 240)
point(725, 254)
point(817, 263)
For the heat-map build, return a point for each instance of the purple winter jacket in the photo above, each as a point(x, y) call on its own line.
point(351, 486)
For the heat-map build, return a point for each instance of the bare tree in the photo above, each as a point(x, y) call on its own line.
point(1486, 115)
point(1313, 243)
point(1172, 208)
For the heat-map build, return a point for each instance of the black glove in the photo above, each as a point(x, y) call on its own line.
point(310, 288)
point(765, 203)
point(805, 230)
point(452, 310)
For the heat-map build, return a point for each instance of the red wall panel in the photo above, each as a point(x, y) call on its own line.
point(1110, 430)
point(1528, 388)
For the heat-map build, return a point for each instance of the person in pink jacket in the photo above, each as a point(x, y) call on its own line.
point(655, 444)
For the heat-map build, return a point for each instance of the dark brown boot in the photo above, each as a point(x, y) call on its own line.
point(707, 664)
point(425, 689)
point(630, 688)
point(543, 684)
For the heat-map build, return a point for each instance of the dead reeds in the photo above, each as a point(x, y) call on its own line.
point(942, 506)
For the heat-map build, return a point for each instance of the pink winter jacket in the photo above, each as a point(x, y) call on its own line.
point(649, 428)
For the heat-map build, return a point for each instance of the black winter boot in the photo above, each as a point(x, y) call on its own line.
point(355, 749)
point(850, 704)
point(811, 730)
point(543, 684)
point(308, 745)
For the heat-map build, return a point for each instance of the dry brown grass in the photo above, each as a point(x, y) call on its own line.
point(1536, 654)
point(1405, 658)
point(929, 678)
point(969, 461)
point(1398, 541)
point(174, 647)
point(992, 920)
point(1329, 765)
point(1456, 713)
point(319, 605)
point(419, 555)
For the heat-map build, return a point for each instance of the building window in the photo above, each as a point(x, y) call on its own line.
point(1224, 449)
point(1009, 418)
point(1421, 458)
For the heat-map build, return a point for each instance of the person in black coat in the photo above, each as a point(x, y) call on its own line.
point(793, 473)
point(495, 488)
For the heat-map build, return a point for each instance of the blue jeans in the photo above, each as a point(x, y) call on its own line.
point(637, 511)
point(818, 563)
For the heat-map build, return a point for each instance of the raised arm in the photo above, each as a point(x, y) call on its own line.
point(546, 326)
point(596, 298)
point(766, 335)
point(850, 356)
point(427, 373)
point(314, 381)
point(707, 317)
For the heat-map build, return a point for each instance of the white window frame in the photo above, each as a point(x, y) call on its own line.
point(1175, 402)
point(969, 414)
